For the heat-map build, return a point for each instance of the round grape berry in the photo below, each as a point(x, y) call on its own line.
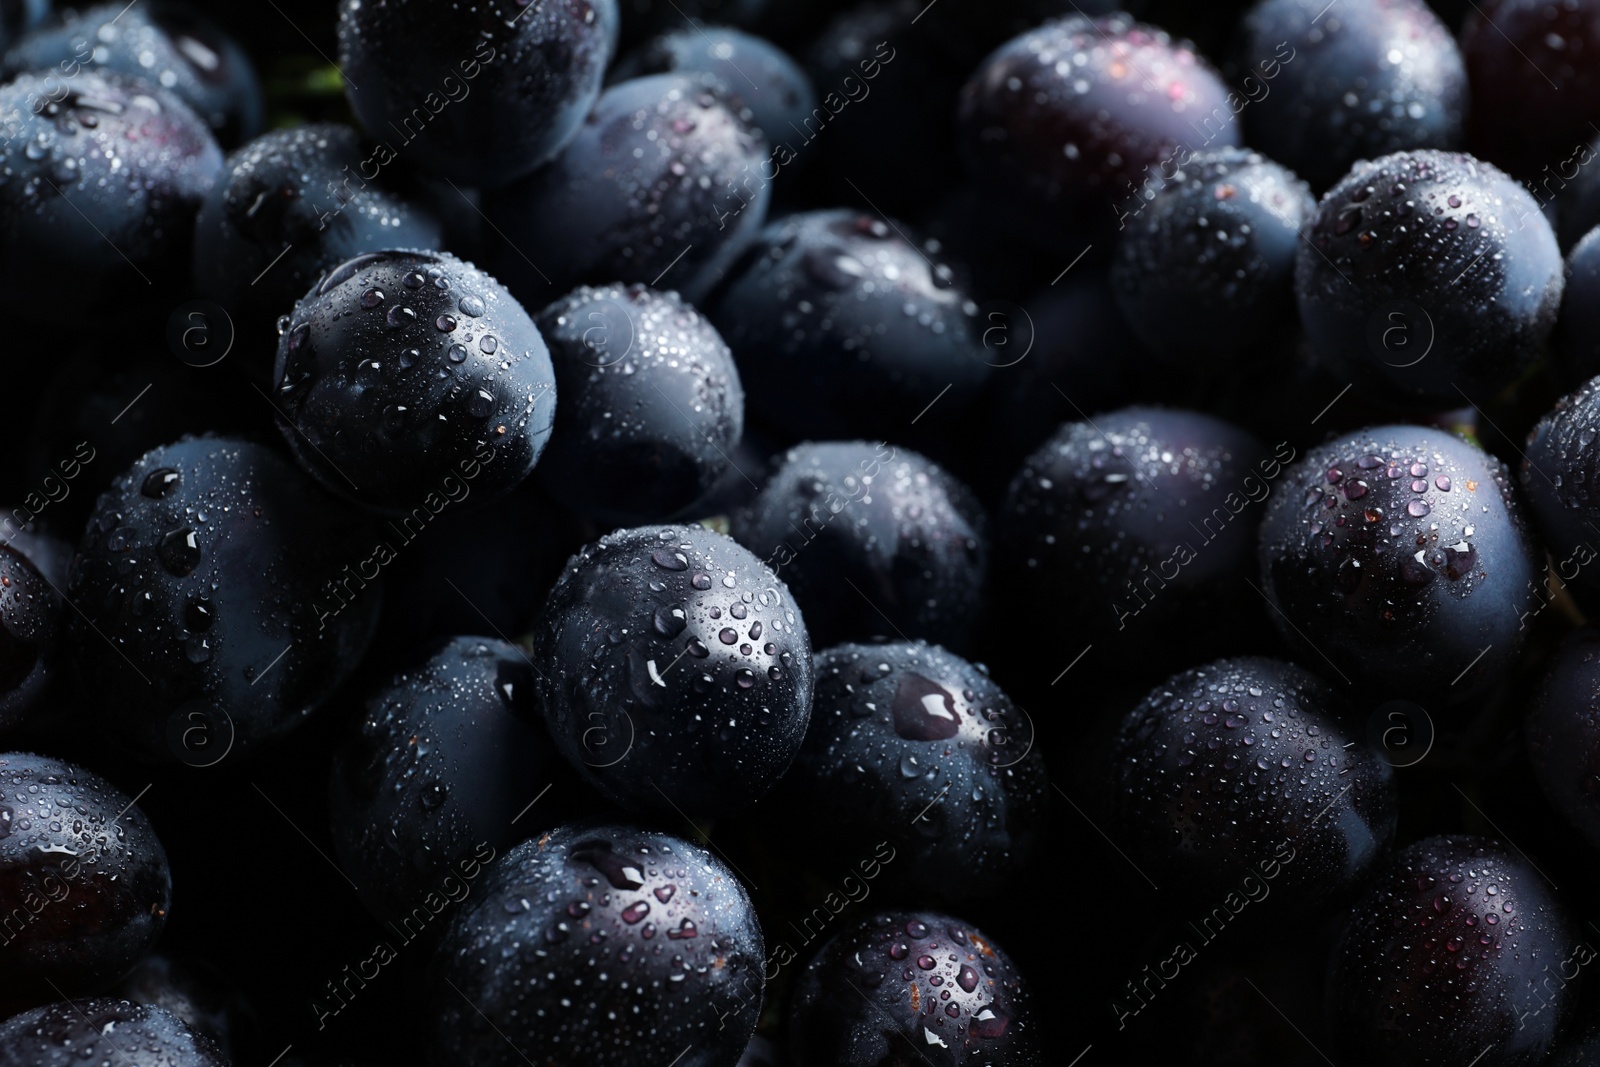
point(663, 916)
point(1317, 807)
point(480, 94)
point(1329, 86)
point(406, 378)
point(1397, 557)
point(910, 539)
point(1430, 279)
point(651, 404)
point(1445, 956)
point(913, 746)
point(86, 887)
point(104, 1030)
point(1077, 117)
point(674, 670)
point(908, 986)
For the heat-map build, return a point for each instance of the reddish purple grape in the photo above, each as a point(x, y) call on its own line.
point(1448, 958)
point(1078, 118)
point(1534, 71)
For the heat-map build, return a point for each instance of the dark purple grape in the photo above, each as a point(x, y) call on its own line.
point(1076, 118)
point(1444, 960)
point(904, 987)
point(1534, 70)
point(220, 597)
point(1327, 86)
point(875, 542)
point(448, 755)
point(661, 186)
point(1250, 774)
point(84, 883)
point(1430, 279)
point(104, 178)
point(914, 748)
point(754, 74)
point(1206, 268)
point(668, 922)
point(165, 44)
point(481, 95)
point(50, 554)
point(651, 404)
point(104, 1031)
point(1124, 528)
point(843, 326)
point(674, 670)
point(1396, 558)
point(405, 378)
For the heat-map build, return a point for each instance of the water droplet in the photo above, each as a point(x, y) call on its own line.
point(621, 871)
point(924, 710)
point(179, 551)
point(670, 622)
point(159, 482)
